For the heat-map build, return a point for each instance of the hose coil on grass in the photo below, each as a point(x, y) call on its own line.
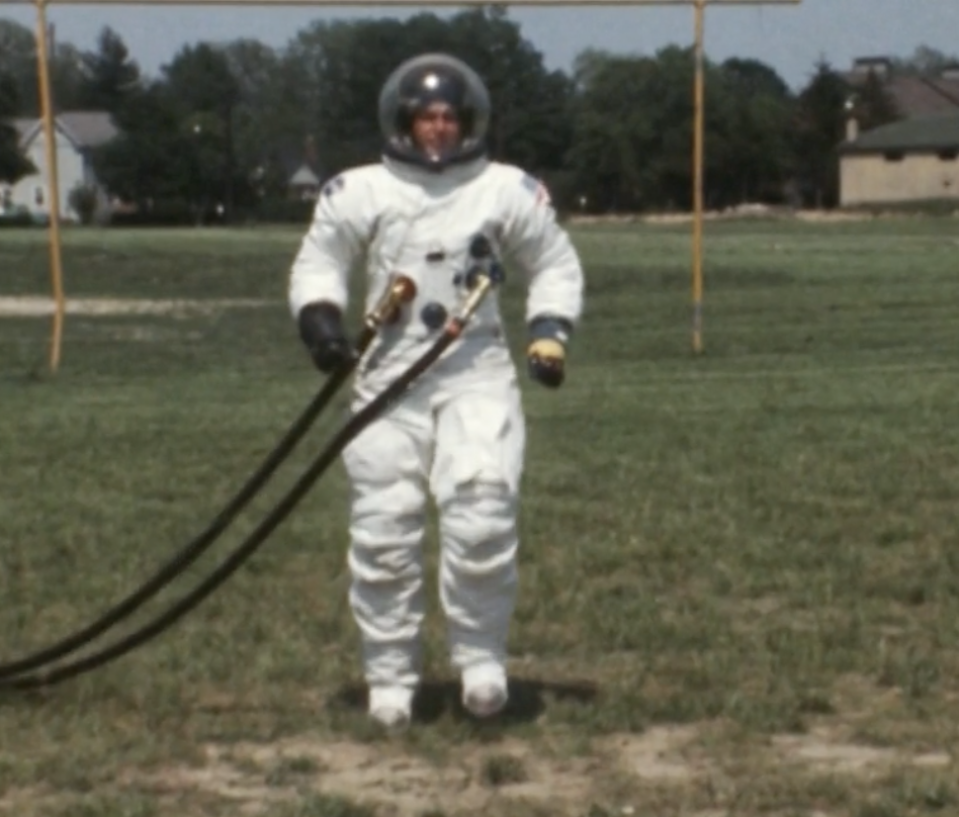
point(12, 674)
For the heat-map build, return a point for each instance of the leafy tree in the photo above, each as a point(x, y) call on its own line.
point(336, 70)
point(107, 76)
point(268, 124)
point(18, 60)
point(18, 64)
point(820, 122)
point(761, 159)
point(66, 77)
point(530, 118)
point(13, 164)
point(204, 95)
point(152, 158)
point(641, 156)
point(179, 136)
point(755, 78)
point(612, 155)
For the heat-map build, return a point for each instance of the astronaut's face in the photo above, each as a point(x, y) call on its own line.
point(436, 130)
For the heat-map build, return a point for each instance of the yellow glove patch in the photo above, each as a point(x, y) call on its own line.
point(546, 349)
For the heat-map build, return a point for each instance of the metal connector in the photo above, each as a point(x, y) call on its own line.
point(401, 290)
point(484, 283)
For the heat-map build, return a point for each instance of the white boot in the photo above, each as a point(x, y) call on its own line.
point(391, 707)
point(485, 691)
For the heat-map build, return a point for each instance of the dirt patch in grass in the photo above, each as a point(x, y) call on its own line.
point(702, 766)
point(658, 754)
point(828, 750)
point(384, 777)
point(37, 307)
point(380, 775)
point(27, 800)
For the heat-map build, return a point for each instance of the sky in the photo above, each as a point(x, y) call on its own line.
point(790, 38)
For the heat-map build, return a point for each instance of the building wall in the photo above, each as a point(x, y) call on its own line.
point(31, 191)
point(870, 179)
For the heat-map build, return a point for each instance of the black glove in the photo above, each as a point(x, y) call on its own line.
point(546, 352)
point(321, 329)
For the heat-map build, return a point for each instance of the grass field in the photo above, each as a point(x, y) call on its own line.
point(740, 571)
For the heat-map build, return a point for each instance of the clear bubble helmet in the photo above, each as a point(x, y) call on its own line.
point(421, 82)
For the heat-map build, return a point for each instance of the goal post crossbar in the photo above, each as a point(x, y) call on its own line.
point(699, 7)
point(401, 3)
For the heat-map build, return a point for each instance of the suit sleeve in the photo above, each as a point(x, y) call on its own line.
point(331, 247)
point(541, 248)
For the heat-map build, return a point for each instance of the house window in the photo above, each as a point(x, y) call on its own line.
point(894, 155)
point(38, 196)
point(949, 155)
point(6, 198)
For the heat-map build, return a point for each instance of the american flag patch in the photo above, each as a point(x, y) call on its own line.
point(537, 188)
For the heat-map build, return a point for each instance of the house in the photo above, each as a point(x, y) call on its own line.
point(913, 159)
point(304, 184)
point(77, 133)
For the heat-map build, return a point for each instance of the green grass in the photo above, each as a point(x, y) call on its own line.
point(756, 542)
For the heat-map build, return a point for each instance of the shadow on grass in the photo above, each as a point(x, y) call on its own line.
point(434, 699)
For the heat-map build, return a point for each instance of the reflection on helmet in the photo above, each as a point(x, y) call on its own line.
point(418, 83)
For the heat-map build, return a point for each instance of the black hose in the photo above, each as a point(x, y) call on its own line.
point(324, 459)
point(200, 544)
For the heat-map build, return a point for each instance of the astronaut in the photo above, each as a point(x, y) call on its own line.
point(431, 206)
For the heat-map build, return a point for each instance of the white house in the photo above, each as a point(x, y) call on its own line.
point(304, 184)
point(77, 133)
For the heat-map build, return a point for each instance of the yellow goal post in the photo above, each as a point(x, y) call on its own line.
point(699, 96)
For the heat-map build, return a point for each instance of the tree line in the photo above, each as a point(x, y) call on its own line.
point(225, 124)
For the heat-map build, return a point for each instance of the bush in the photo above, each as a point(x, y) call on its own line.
point(84, 200)
point(19, 218)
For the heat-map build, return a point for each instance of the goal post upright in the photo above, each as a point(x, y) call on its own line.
point(699, 97)
point(699, 169)
point(53, 186)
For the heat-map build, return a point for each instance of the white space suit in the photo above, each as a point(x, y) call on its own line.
point(459, 433)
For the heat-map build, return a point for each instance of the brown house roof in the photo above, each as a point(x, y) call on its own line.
point(918, 96)
point(914, 96)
